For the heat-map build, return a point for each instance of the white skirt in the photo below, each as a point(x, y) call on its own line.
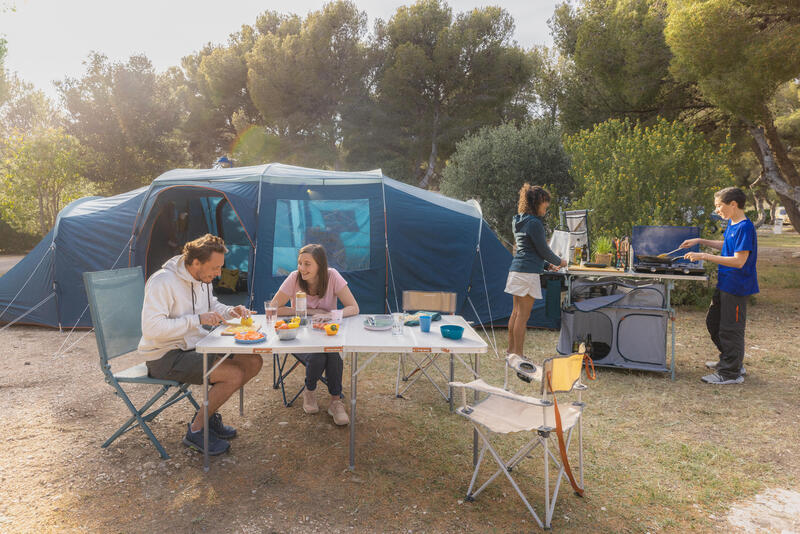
point(524, 284)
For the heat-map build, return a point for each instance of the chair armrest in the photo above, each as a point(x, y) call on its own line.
point(481, 386)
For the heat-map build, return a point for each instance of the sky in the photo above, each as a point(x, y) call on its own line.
point(49, 39)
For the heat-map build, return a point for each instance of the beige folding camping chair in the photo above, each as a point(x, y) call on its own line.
point(504, 412)
point(431, 301)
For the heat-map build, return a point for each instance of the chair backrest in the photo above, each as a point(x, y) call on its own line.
point(439, 301)
point(565, 372)
point(115, 301)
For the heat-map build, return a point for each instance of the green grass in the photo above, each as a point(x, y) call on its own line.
point(788, 239)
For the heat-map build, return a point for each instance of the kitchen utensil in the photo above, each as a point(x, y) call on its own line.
point(665, 254)
point(658, 259)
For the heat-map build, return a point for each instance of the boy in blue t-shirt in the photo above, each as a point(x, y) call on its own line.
point(736, 281)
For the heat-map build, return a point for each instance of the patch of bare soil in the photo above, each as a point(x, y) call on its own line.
point(773, 511)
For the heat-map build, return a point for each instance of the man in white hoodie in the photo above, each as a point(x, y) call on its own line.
point(177, 305)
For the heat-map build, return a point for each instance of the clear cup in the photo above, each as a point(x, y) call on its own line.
point(336, 316)
point(270, 314)
point(397, 323)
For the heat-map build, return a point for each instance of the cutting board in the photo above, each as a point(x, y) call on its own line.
point(573, 268)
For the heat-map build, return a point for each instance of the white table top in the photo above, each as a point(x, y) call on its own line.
point(352, 337)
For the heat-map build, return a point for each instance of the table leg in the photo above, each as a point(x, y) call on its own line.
point(353, 390)
point(205, 412)
point(449, 387)
point(241, 401)
point(671, 312)
point(475, 430)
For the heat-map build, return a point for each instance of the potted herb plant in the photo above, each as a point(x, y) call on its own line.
point(603, 247)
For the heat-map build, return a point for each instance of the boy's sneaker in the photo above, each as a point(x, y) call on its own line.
point(715, 378)
point(194, 440)
point(713, 365)
point(222, 431)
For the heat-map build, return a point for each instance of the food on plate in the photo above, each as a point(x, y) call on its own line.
point(279, 324)
point(247, 321)
point(235, 329)
point(287, 326)
point(332, 329)
point(249, 336)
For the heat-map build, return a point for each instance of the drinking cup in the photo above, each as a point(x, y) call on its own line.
point(425, 323)
point(336, 316)
point(397, 323)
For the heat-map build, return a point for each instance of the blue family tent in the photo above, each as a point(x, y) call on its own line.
point(384, 236)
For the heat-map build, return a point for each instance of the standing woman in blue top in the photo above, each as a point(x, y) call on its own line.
point(736, 281)
point(531, 253)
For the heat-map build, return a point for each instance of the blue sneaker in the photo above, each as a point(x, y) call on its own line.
point(222, 431)
point(194, 440)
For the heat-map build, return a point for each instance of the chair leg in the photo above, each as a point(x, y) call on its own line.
point(507, 473)
point(137, 416)
point(185, 389)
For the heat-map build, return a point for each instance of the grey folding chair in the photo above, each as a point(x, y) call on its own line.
point(432, 301)
point(502, 411)
point(115, 301)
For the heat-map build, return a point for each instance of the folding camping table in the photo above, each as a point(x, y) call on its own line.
point(351, 340)
point(574, 271)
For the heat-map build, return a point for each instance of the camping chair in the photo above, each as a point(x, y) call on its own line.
point(115, 301)
point(505, 412)
point(279, 374)
point(433, 301)
point(576, 222)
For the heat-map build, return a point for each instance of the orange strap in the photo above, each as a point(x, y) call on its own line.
point(587, 361)
point(561, 446)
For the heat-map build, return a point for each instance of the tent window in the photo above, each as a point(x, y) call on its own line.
point(341, 226)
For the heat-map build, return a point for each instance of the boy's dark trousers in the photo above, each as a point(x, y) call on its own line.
point(725, 321)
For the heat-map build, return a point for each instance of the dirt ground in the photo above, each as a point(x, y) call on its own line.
point(286, 472)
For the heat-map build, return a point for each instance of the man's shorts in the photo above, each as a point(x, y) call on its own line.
point(185, 366)
point(524, 284)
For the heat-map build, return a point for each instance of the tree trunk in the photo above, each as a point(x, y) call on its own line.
point(758, 198)
point(789, 194)
point(434, 149)
point(790, 174)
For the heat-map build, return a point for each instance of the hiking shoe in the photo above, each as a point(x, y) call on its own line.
point(222, 431)
point(336, 410)
point(194, 440)
point(713, 365)
point(715, 378)
point(310, 402)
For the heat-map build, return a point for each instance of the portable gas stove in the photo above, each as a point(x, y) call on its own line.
point(654, 240)
point(694, 267)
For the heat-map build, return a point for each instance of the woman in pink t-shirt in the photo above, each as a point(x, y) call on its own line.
point(323, 286)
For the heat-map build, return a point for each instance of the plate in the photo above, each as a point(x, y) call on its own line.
point(381, 322)
point(250, 341)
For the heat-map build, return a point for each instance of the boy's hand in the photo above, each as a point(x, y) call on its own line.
point(696, 256)
point(690, 243)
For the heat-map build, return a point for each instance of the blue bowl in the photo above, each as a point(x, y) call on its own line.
point(452, 331)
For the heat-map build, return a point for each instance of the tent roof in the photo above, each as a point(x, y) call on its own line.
point(270, 172)
point(278, 173)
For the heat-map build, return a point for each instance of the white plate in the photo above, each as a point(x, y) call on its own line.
point(384, 323)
